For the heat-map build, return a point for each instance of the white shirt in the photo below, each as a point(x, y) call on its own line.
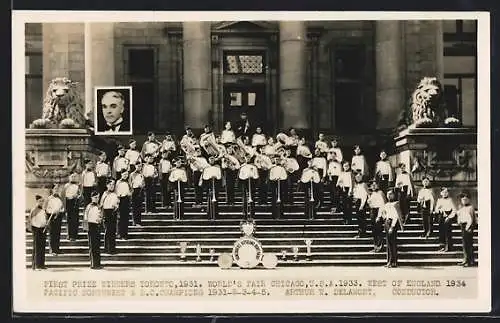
point(425, 194)
point(120, 164)
point(466, 214)
point(334, 168)
point(38, 217)
point(248, 171)
point(235, 164)
point(383, 167)
point(320, 163)
point(167, 145)
point(122, 188)
point(403, 179)
point(445, 205)
point(291, 165)
point(310, 175)
point(359, 163)
point(109, 200)
point(259, 139)
point(71, 190)
point(165, 166)
point(178, 174)
point(137, 180)
point(376, 199)
point(227, 136)
point(392, 211)
point(269, 150)
point(321, 145)
point(148, 170)
point(88, 178)
point(345, 179)
point(92, 213)
point(338, 154)
point(360, 191)
point(277, 173)
point(212, 172)
point(304, 151)
point(132, 155)
point(54, 205)
point(150, 147)
point(102, 169)
point(199, 164)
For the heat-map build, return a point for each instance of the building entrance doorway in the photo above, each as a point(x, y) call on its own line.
point(249, 98)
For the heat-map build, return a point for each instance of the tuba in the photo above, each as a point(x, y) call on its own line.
point(263, 162)
point(286, 140)
point(189, 146)
point(210, 145)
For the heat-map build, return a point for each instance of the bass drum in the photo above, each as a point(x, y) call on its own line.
point(247, 252)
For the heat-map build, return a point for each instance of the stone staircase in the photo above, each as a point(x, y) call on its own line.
point(156, 243)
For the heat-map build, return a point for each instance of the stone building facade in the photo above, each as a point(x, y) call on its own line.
point(344, 77)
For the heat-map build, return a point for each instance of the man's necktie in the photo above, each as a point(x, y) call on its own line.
point(112, 127)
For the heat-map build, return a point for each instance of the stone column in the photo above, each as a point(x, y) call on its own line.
point(294, 111)
point(196, 60)
point(390, 83)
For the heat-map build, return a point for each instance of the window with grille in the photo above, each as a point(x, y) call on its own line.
point(33, 59)
point(247, 63)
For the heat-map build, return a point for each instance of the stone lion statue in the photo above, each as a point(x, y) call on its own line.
point(62, 102)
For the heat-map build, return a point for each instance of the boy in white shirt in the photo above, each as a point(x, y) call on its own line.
point(358, 163)
point(404, 190)
point(36, 223)
point(120, 163)
point(466, 218)
point(137, 184)
point(124, 192)
point(164, 168)
point(71, 194)
point(54, 208)
point(92, 218)
point(103, 172)
point(345, 184)
point(150, 174)
point(376, 202)
point(426, 201)
point(333, 172)
point(109, 203)
point(383, 172)
point(360, 197)
point(89, 181)
point(445, 211)
point(391, 215)
point(133, 154)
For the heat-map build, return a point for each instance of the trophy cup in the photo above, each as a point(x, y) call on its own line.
point(295, 251)
point(183, 247)
point(198, 252)
point(283, 255)
point(308, 248)
point(212, 255)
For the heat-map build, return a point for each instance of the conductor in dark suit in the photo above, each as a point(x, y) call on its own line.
point(113, 114)
point(243, 126)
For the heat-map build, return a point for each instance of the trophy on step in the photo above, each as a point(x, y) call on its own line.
point(198, 252)
point(183, 248)
point(295, 250)
point(308, 243)
point(212, 255)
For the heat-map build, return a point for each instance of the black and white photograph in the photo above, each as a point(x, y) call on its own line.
point(114, 110)
point(297, 162)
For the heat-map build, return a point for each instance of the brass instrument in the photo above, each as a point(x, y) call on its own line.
point(209, 144)
point(213, 190)
point(286, 140)
point(263, 161)
point(248, 151)
point(189, 146)
point(231, 161)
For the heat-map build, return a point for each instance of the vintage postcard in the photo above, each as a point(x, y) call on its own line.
point(251, 162)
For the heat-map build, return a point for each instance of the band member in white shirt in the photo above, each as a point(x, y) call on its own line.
point(133, 155)
point(384, 172)
point(89, 181)
point(54, 208)
point(345, 184)
point(124, 192)
point(248, 175)
point(211, 177)
point(37, 223)
point(197, 164)
point(303, 153)
point(310, 180)
point(335, 152)
point(120, 163)
point(376, 202)
point(164, 168)
point(360, 197)
point(205, 138)
point(466, 218)
point(392, 218)
point(426, 201)
point(92, 218)
point(333, 173)
point(137, 183)
point(358, 163)
point(151, 147)
point(404, 190)
point(169, 146)
point(103, 172)
point(178, 178)
point(150, 174)
point(230, 166)
point(227, 136)
point(322, 145)
point(71, 194)
point(292, 168)
point(270, 148)
point(109, 203)
point(263, 164)
point(189, 143)
point(277, 177)
point(258, 138)
point(293, 143)
point(445, 210)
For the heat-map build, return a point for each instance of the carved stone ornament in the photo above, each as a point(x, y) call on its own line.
point(443, 162)
point(39, 167)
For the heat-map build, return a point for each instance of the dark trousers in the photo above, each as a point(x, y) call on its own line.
point(149, 189)
point(86, 192)
point(212, 205)
point(55, 232)
point(109, 231)
point(277, 207)
point(346, 204)
point(383, 182)
point(427, 220)
point(334, 196)
point(445, 234)
point(360, 217)
point(404, 202)
point(377, 230)
point(94, 235)
point(38, 252)
point(467, 244)
point(137, 199)
point(198, 190)
point(124, 209)
point(248, 204)
point(392, 245)
point(101, 184)
point(230, 176)
point(165, 192)
point(263, 187)
point(72, 218)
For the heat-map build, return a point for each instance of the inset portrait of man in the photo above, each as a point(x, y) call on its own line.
point(113, 115)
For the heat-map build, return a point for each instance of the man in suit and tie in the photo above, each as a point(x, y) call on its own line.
point(114, 117)
point(243, 126)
